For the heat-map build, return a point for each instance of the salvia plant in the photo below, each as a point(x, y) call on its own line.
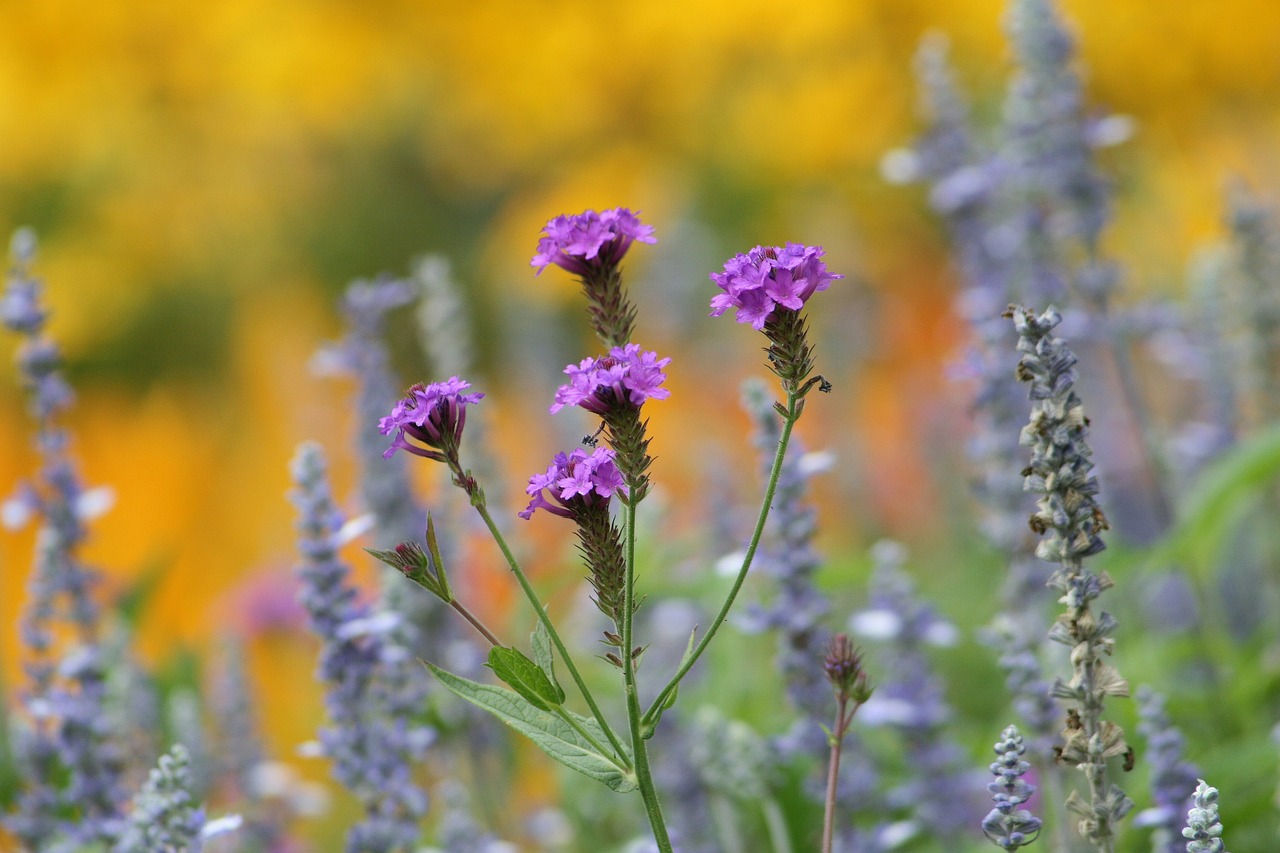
point(855, 749)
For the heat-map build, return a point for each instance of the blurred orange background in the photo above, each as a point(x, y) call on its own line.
point(206, 178)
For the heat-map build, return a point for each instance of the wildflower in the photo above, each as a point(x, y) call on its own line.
point(582, 485)
point(432, 414)
point(577, 481)
point(1172, 778)
point(1070, 522)
point(371, 699)
point(591, 245)
point(1008, 826)
point(1204, 830)
point(768, 277)
point(843, 667)
point(589, 242)
point(165, 815)
point(614, 387)
point(625, 378)
point(767, 287)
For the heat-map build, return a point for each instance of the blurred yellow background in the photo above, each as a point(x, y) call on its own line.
point(205, 178)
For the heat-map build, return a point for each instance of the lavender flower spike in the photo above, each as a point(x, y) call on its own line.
point(1008, 826)
point(1204, 830)
point(432, 414)
point(591, 245)
point(372, 739)
point(165, 815)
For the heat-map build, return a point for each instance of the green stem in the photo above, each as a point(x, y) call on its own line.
point(551, 631)
point(788, 422)
point(652, 806)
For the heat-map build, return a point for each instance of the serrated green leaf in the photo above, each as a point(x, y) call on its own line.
point(524, 677)
point(553, 735)
point(543, 657)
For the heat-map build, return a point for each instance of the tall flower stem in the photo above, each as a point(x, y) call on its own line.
point(514, 565)
point(652, 807)
point(475, 622)
point(790, 415)
point(833, 775)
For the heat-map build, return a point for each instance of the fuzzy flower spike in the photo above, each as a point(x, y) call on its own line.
point(581, 485)
point(615, 387)
point(1069, 521)
point(767, 287)
point(591, 245)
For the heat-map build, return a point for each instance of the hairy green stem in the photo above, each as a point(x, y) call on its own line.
point(652, 806)
point(788, 422)
point(551, 631)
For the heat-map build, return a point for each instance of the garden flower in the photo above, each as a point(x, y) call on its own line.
point(591, 245)
point(582, 485)
point(757, 283)
point(589, 242)
point(577, 481)
point(625, 378)
point(434, 415)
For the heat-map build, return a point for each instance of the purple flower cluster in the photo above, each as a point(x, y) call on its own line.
point(767, 277)
point(433, 414)
point(625, 377)
point(590, 241)
point(576, 480)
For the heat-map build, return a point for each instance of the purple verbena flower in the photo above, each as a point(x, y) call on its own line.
point(434, 415)
point(575, 480)
point(757, 283)
point(626, 377)
point(588, 242)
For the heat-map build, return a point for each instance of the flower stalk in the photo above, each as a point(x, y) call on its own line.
point(1069, 521)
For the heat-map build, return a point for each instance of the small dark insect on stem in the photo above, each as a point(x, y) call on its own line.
point(594, 438)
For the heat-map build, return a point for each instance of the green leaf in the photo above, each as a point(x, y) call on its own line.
point(553, 735)
point(651, 719)
point(525, 677)
point(1220, 499)
point(433, 547)
point(541, 644)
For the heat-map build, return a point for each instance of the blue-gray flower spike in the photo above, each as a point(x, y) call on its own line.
point(1070, 522)
point(1204, 830)
point(1008, 826)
